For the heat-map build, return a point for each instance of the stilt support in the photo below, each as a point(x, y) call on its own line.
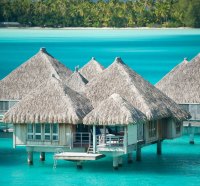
point(30, 157)
point(79, 165)
point(120, 161)
point(192, 138)
point(159, 147)
point(130, 158)
point(191, 132)
point(115, 163)
point(138, 153)
point(42, 156)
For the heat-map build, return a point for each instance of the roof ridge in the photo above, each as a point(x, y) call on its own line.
point(195, 58)
point(118, 61)
point(173, 70)
point(51, 65)
point(82, 77)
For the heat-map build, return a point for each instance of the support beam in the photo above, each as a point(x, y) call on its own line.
point(138, 153)
point(125, 139)
point(130, 158)
point(94, 139)
point(191, 133)
point(159, 147)
point(104, 134)
point(79, 165)
point(192, 138)
point(30, 157)
point(42, 156)
point(115, 163)
point(120, 161)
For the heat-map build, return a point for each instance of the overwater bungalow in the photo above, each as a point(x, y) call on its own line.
point(91, 69)
point(28, 76)
point(183, 86)
point(164, 117)
point(121, 114)
point(45, 119)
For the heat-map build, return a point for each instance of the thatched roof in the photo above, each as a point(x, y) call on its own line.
point(50, 102)
point(91, 69)
point(31, 74)
point(119, 78)
point(182, 84)
point(77, 82)
point(114, 111)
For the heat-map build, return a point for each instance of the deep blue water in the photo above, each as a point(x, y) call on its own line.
point(151, 52)
point(179, 165)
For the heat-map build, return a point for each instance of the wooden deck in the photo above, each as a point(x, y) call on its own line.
point(77, 156)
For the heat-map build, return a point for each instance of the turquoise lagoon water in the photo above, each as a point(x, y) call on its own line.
point(152, 53)
point(179, 165)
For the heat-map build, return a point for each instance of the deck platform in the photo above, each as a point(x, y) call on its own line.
point(77, 156)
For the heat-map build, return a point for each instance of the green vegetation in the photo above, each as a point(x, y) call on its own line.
point(110, 13)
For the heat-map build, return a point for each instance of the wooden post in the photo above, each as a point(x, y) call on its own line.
point(30, 157)
point(125, 139)
point(159, 147)
point(192, 138)
point(130, 158)
point(94, 140)
point(42, 156)
point(115, 163)
point(104, 134)
point(120, 161)
point(191, 132)
point(138, 153)
point(79, 165)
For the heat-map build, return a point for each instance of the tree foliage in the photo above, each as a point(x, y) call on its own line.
point(101, 13)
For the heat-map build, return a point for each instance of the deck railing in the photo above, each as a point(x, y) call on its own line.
point(110, 140)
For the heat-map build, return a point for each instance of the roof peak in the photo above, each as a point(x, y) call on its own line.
point(43, 49)
point(119, 60)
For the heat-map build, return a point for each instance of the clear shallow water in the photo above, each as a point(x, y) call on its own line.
point(151, 52)
point(179, 165)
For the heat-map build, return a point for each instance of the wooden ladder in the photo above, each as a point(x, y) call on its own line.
point(90, 149)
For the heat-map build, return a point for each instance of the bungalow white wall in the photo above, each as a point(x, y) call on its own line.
point(162, 129)
point(173, 129)
point(150, 132)
point(41, 135)
point(132, 134)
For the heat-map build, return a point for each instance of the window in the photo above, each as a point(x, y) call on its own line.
point(178, 127)
point(30, 131)
point(4, 106)
point(38, 131)
point(47, 132)
point(55, 132)
point(152, 129)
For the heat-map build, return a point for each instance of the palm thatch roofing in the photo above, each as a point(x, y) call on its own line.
point(114, 111)
point(31, 74)
point(50, 102)
point(119, 78)
point(91, 69)
point(77, 82)
point(182, 83)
